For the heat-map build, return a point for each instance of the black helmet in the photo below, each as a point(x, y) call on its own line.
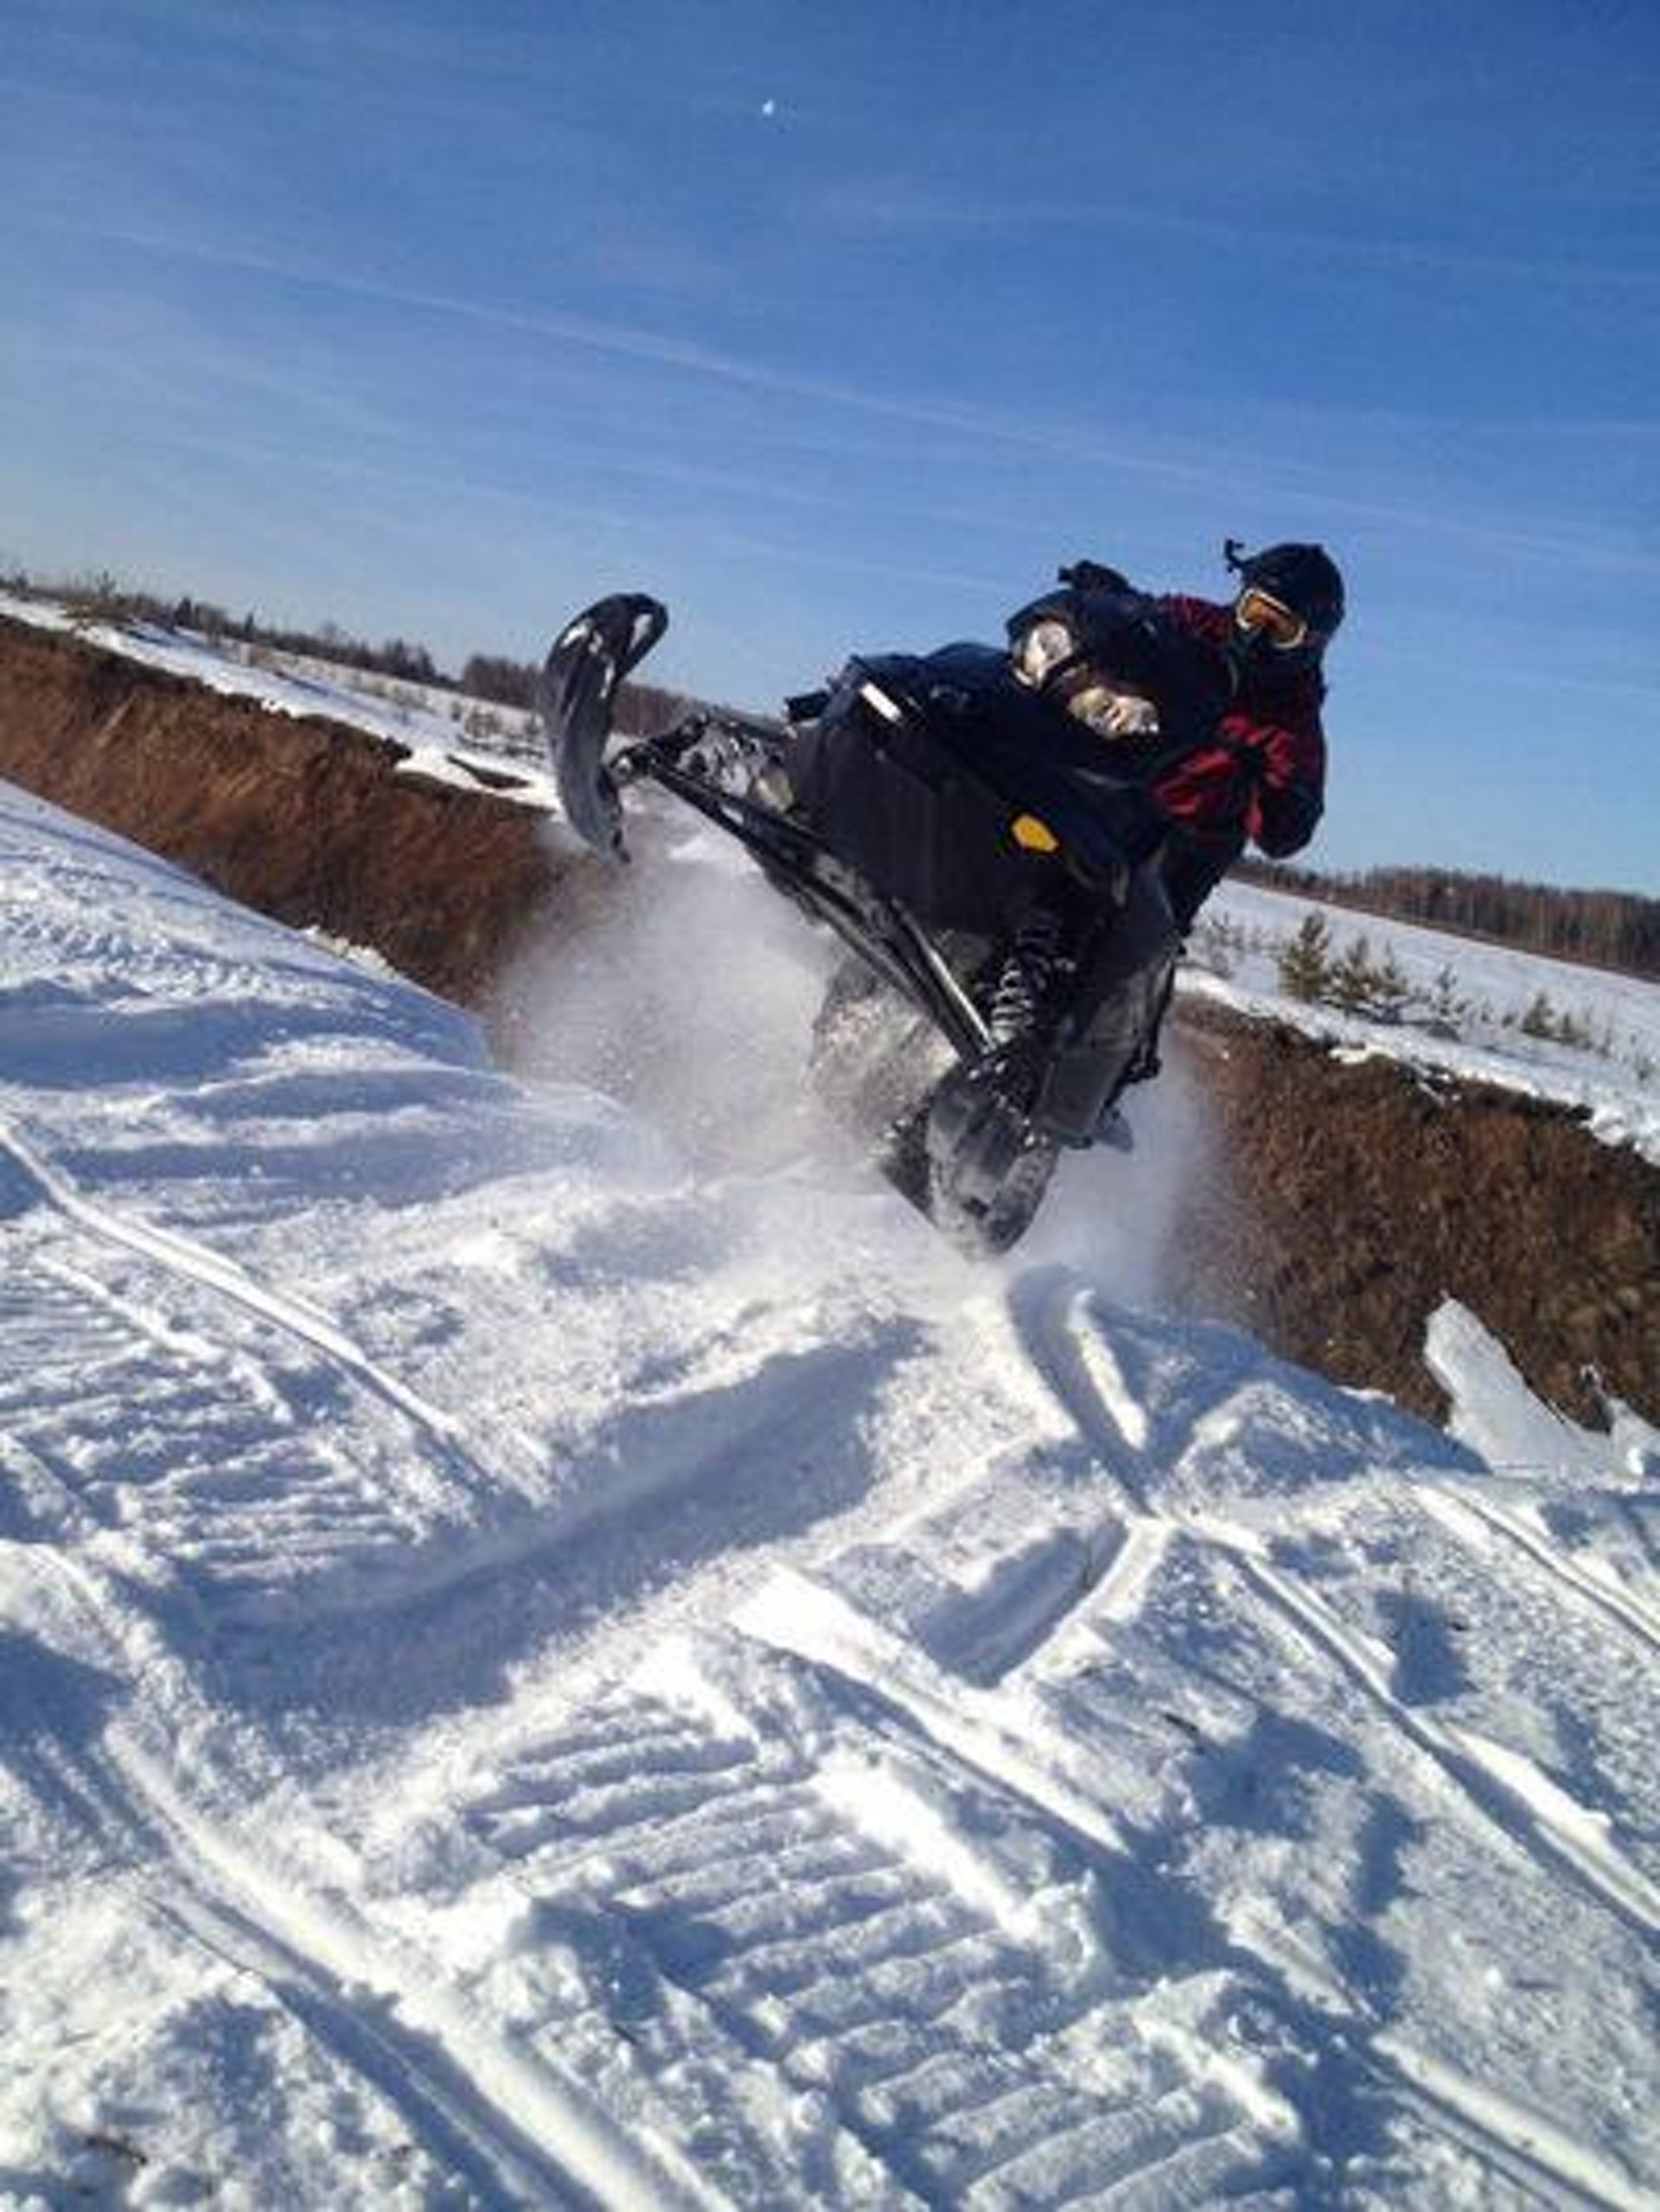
point(1289, 605)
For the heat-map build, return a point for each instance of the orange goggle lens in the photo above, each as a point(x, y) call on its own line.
point(1255, 609)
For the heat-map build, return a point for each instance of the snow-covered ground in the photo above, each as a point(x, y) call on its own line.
point(547, 1659)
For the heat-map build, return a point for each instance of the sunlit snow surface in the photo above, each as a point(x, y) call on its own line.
point(537, 1666)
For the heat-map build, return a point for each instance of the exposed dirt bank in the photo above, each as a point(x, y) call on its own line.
point(1340, 1204)
point(301, 818)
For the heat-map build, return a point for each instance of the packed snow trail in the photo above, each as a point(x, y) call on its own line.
point(537, 1670)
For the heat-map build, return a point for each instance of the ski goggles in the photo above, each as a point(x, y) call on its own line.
point(1258, 610)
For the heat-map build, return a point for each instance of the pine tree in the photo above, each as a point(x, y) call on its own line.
point(1216, 944)
point(1350, 986)
point(1391, 992)
point(1305, 960)
point(1448, 1009)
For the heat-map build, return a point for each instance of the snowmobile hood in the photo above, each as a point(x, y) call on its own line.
point(1027, 748)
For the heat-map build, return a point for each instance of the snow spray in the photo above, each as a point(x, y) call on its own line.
point(1112, 1216)
point(689, 999)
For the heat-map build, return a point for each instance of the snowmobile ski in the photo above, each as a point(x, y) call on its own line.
point(575, 695)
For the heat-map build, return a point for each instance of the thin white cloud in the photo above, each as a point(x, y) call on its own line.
point(659, 350)
point(1208, 469)
point(901, 207)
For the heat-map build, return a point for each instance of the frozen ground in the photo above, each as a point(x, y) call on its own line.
point(543, 1666)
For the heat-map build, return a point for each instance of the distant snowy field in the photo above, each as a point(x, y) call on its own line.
point(541, 1665)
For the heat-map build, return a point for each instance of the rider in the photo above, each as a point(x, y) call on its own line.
point(1259, 774)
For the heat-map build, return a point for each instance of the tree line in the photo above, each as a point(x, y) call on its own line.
point(492, 677)
point(1603, 929)
point(395, 657)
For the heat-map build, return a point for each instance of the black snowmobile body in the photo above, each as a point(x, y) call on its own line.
point(993, 875)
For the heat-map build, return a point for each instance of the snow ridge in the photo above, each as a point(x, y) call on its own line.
point(534, 1674)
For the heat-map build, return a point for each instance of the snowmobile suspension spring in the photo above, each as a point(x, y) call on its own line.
point(1023, 982)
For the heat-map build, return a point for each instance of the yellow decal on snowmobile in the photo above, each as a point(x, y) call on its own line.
point(1034, 836)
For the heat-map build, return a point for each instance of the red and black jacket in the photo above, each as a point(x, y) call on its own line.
point(1261, 776)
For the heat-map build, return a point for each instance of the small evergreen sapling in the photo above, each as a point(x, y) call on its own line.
point(1305, 960)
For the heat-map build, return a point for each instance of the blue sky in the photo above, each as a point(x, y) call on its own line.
point(839, 326)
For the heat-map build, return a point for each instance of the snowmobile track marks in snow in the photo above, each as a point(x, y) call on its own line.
point(224, 1277)
point(264, 1438)
point(861, 1981)
point(510, 2129)
point(227, 1489)
point(815, 1624)
point(1496, 1784)
point(1460, 1509)
point(1517, 2141)
point(521, 2127)
point(1055, 1320)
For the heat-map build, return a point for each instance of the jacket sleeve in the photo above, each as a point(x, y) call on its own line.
point(1285, 760)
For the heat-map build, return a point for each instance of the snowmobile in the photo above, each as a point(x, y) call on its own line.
point(964, 821)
